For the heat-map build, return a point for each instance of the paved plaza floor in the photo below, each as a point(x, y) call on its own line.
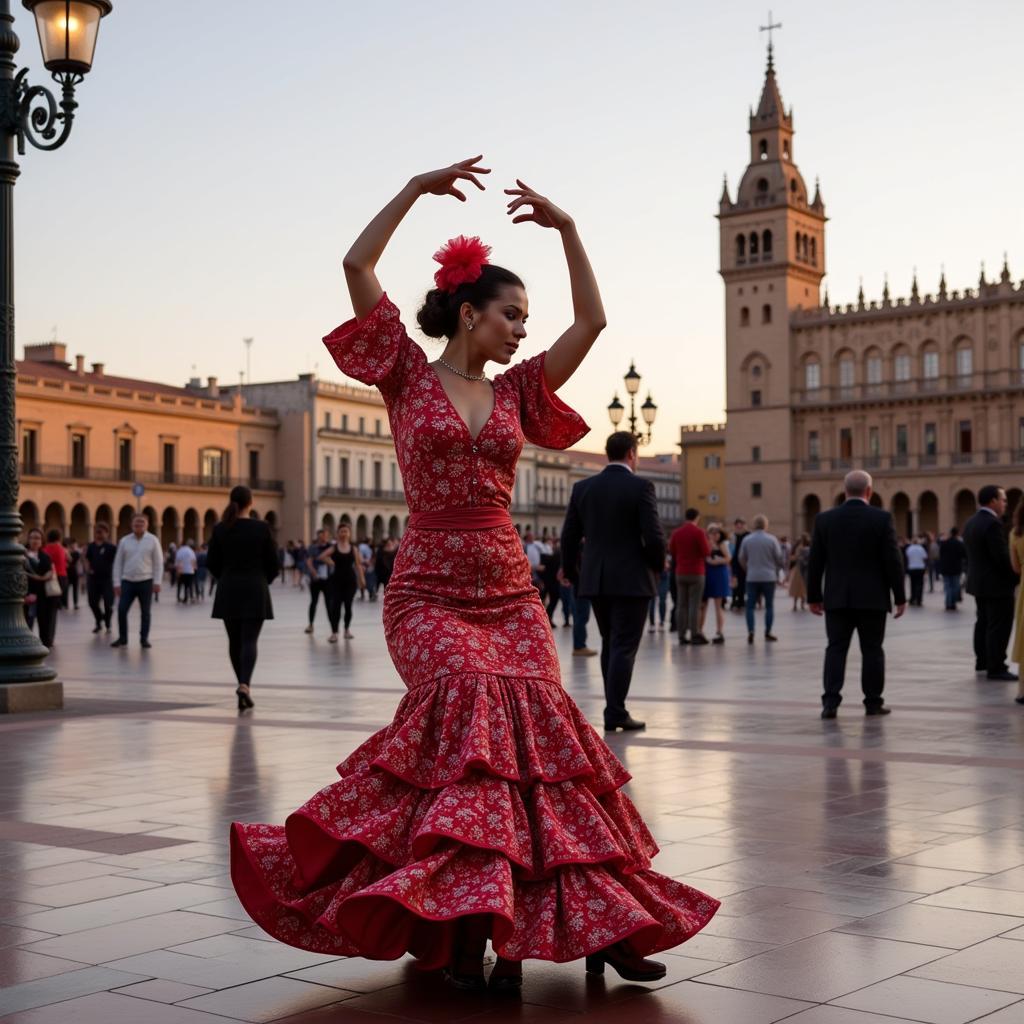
point(870, 869)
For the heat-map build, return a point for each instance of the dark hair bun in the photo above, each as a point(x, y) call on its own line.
point(436, 317)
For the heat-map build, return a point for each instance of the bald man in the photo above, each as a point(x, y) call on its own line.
point(854, 547)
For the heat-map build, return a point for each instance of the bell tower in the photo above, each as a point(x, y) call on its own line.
point(772, 259)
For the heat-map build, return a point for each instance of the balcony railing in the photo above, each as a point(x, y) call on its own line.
point(990, 380)
point(924, 461)
point(371, 493)
point(48, 471)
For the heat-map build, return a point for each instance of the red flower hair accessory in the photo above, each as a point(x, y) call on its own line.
point(462, 261)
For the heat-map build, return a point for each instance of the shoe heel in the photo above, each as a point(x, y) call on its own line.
point(595, 964)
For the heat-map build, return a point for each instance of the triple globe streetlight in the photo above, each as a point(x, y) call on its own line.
point(29, 113)
point(648, 410)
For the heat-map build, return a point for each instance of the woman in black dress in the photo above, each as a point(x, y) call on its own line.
point(242, 556)
point(43, 599)
point(344, 581)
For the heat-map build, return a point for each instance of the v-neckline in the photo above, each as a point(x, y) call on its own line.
point(458, 415)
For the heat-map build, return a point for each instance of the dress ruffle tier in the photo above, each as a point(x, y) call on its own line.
point(487, 795)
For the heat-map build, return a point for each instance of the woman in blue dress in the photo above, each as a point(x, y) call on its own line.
point(716, 580)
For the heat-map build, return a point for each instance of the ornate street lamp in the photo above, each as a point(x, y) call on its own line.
point(29, 113)
point(648, 410)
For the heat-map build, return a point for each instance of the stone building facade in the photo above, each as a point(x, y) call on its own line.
point(925, 392)
point(87, 437)
point(702, 471)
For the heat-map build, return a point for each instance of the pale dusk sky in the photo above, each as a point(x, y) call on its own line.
point(226, 152)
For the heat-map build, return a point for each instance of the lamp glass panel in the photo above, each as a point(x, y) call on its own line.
point(615, 412)
point(648, 410)
point(67, 33)
point(632, 382)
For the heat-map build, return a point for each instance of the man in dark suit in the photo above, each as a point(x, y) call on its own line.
point(991, 579)
point(854, 547)
point(617, 513)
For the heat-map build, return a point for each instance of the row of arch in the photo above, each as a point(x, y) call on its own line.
point(170, 525)
point(755, 245)
point(375, 530)
point(913, 517)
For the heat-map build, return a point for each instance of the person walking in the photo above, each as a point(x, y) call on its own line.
point(952, 565)
point(202, 571)
point(74, 559)
point(98, 563)
point(992, 581)
point(185, 565)
point(854, 547)
point(689, 547)
point(716, 580)
point(138, 570)
point(319, 574)
point(384, 561)
point(798, 572)
point(616, 512)
point(347, 576)
point(1017, 563)
point(931, 542)
point(739, 535)
point(486, 718)
point(58, 555)
point(760, 557)
point(580, 608)
point(661, 598)
point(916, 558)
point(42, 601)
point(242, 556)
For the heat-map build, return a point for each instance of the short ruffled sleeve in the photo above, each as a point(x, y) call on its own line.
point(375, 350)
point(546, 420)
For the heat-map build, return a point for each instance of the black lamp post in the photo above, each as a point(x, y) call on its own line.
point(648, 410)
point(29, 113)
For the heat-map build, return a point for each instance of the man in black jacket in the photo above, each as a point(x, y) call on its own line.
point(991, 579)
point(952, 562)
point(617, 513)
point(854, 547)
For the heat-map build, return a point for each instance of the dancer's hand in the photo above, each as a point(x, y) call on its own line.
point(442, 182)
point(542, 212)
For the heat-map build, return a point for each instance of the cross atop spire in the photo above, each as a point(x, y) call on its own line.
point(768, 28)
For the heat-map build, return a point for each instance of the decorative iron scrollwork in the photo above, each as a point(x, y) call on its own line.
point(36, 113)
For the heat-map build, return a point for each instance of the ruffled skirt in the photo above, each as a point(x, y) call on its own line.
point(488, 795)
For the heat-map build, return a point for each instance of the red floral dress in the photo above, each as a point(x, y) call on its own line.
point(489, 793)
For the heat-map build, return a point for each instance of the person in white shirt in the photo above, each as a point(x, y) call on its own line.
point(533, 550)
point(138, 570)
point(185, 565)
point(916, 556)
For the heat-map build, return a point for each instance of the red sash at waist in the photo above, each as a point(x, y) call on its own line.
point(480, 518)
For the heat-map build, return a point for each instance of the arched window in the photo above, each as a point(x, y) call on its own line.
point(901, 365)
point(763, 149)
point(745, 316)
point(930, 363)
point(812, 374)
point(741, 247)
point(766, 314)
point(762, 185)
point(803, 245)
point(964, 361)
point(796, 244)
point(766, 242)
point(785, 149)
point(814, 250)
point(873, 368)
point(753, 243)
point(792, 185)
point(847, 371)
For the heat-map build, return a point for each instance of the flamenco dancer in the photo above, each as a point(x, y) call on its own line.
point(489, 809)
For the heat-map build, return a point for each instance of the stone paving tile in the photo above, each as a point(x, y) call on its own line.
point(776, 925)
point(21, 965)
point(839, 1015)
point(109, 1008)
point(1012, 879)
point(934, 925)
point(269, 999)
point(115, 941)
point(59, 987)
point(158, 991)
point(12, 935)
point(69, 894)
point(354, 974)
point(996, 964)
point(824, 966)
point(933, 1002)
point(971, 897)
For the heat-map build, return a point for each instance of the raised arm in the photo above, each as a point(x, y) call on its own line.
point(361, 260)
point(566, 354)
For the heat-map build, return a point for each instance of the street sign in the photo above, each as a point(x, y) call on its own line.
point(138, 490)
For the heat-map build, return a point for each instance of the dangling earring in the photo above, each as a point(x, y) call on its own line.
point(469, 325)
